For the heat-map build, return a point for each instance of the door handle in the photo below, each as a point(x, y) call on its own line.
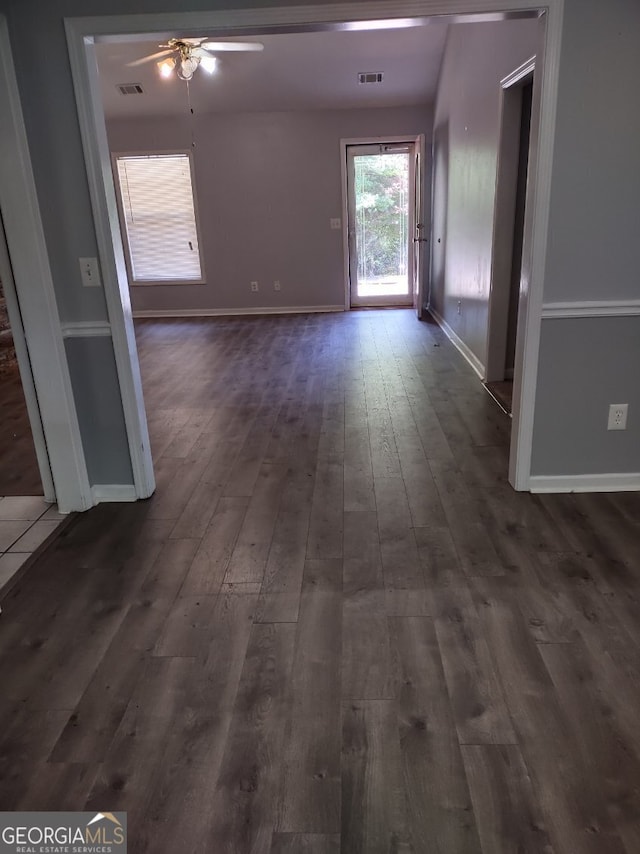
point(420, 239)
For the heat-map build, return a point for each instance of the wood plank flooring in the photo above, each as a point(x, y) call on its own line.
point(19, 473)
point(334, 627)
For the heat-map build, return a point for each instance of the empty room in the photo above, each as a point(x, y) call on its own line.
point(334, 393)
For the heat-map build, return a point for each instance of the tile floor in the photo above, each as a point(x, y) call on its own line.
point(26, 521)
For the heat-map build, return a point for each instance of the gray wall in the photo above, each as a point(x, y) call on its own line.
point(594, 250)
point(594, 247)
point(267, 185)
point(466, 135)
point(95, 386)
point(580, 375)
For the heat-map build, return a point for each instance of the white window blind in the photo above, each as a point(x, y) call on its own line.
point(159, 217)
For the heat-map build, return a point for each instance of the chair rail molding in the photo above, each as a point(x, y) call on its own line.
point(592, 308)
point(86, 329)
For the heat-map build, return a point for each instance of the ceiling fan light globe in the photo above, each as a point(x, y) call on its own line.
point(166, 67)
point(186, 67)
point(209, 63)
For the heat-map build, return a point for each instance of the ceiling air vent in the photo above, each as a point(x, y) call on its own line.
point(130, 89)
point(370, 77)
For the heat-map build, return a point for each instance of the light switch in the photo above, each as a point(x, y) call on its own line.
point(90, 272)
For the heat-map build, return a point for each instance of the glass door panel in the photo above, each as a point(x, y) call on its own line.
point(380, 226)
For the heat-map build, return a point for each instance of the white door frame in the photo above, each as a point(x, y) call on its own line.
point(418, 238)
point(504, 209)
point(112, 258)
point(51, 393)
point(348, 215)
point(81, 33)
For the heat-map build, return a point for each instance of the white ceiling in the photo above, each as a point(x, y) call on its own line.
point(296, 71)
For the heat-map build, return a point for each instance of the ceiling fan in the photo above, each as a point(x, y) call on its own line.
point(184, 56)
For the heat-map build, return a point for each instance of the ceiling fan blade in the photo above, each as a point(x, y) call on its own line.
point(220, 47)
point(150, 58)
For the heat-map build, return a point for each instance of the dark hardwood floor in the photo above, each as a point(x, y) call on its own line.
point(19, 474)
point(334, 627)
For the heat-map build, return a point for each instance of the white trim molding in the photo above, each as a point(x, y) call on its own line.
point(103, 493)
point(342, 15)
point(236, 312)
point(458, 343)
point(84, 71)
point(86, 329)
point(536, 235)
point(614, 482)
point(522, 71)
point(593, 308)
point(34, 287)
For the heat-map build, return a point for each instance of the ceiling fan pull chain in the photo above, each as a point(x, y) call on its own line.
point(191, 114)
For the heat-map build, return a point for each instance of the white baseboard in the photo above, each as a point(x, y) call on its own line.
point(615, 482)
point(458, 343)
point(111, 492)
point(233, 312)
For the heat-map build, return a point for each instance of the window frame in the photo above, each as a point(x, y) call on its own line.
point(115, 156)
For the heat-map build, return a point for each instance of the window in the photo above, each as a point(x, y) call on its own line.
point(159, 219)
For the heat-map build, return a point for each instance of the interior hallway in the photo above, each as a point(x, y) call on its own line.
point(334, 627)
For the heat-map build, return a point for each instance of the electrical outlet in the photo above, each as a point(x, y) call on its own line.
point(254, 287)
point(90, 272)
point(276, 285)
point(618, 416)
point(335, 223)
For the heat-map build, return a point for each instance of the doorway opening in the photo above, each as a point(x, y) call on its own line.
point(27, 520)
point(19, 473)
point(509, 233)
point(518, 225)
point(22, 455)
point(85, 34)
point(381, 204)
